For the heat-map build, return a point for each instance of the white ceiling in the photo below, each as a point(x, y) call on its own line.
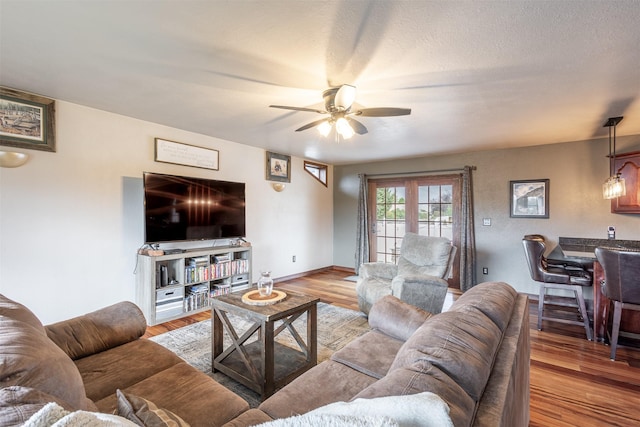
point(477, 75)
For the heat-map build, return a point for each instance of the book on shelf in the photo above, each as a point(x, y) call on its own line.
point(196, 297)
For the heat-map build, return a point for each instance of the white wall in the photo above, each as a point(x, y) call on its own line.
point(71, 221)
point(576, 172)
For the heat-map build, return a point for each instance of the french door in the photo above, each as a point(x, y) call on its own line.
point(428, 205)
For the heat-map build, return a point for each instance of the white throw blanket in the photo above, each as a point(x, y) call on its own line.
point(424, 409)
point(53, 415)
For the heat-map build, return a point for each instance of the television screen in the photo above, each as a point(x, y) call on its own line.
point(178, 208)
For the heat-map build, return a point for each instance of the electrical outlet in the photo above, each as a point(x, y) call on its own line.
point(486, 221)
point(485, 270)
point(293, 258)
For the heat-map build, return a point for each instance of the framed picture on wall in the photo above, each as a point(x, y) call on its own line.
point(529, 198)
point(26, 120)
point(278, 167)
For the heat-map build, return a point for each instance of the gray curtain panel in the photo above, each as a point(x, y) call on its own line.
point(362, 235)
point(468, 236)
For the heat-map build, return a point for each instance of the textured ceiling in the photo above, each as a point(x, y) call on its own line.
point(477, 75)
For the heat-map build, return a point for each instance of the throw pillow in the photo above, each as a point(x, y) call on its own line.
point(145, 413)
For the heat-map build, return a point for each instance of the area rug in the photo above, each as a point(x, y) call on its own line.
point(336, 327)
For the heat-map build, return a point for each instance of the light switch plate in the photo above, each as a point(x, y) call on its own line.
point(486, 221)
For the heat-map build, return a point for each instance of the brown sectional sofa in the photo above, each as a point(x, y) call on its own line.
point(475, 356)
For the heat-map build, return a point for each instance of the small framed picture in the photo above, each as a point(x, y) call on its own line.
point(529, 198)
point(278, 167)
point(26, 120)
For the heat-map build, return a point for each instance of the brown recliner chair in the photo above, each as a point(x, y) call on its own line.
point(569, 278)
point(621, 284)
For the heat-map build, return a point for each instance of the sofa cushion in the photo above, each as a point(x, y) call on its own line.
point(251, 417)
point(404, 381)
point(18, 404)
point(371, 354)
point(183, 390)
point(462, 344)
point(107, 371)
point(424, 256)
point(98, 331)
point(145, 413)
point(17, 311)
point(494, 299)
point(28, 358)
point(396, 318)
point(326, 383)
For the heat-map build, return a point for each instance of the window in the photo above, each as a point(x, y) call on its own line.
point(317, 170)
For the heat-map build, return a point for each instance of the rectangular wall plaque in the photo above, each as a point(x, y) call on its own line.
point(183, 154)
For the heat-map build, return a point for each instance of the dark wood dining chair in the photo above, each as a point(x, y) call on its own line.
point(557, 277)
point(621, 284)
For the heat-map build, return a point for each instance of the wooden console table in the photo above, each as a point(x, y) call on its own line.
point(263, 364)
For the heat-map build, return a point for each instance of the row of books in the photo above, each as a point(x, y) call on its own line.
point(220, 290)
point(197, 297)
point(197, 272)
point(229, 268)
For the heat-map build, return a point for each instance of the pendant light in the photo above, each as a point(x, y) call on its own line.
point(614, 186)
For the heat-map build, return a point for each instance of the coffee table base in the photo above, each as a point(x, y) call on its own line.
point(263, 365)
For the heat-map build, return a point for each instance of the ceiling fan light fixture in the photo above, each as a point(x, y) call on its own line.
point(345, 97)
point(324, 128)
point(343, 128)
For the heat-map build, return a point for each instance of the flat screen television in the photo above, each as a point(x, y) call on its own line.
point(179, 208)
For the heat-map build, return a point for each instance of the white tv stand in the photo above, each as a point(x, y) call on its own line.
point(176, 285)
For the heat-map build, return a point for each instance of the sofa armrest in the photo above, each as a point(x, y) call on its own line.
point(396, 318)
point(98, 331)
point(378, 269)
point(426, 292)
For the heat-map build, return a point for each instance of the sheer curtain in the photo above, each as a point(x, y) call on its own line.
point(362, 235)
point(468, 236)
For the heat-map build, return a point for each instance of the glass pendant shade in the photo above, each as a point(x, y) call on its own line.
point(343, 128)
point(613, 187)
point(324, 128)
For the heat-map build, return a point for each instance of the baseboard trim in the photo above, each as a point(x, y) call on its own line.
point(311, 272)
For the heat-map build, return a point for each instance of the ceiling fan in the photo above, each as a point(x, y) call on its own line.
point(338, 102)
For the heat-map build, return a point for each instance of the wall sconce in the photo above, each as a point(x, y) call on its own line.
point(12, 159)
point(614, 186)
point(278, 186)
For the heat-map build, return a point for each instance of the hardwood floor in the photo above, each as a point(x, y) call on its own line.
point(573, 382)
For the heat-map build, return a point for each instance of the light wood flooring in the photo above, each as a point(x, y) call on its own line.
point(573, 381)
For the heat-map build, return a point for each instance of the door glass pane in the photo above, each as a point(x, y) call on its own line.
point(390, 226)
point(435, 210)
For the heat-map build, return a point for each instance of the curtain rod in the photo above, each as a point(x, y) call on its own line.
point(400, 174)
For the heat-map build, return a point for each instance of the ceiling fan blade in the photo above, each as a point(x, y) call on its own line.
point(383, 112)
point(286, 107)
point(313, 124)
point(357, 127)
point(345, 96)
